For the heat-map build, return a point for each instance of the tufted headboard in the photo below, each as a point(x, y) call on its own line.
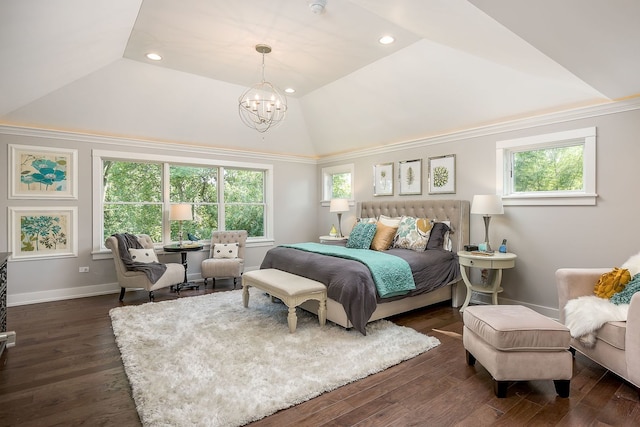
point(455, 211)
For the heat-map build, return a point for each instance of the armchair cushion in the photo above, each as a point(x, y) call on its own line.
point(144, 256)
point(225, 250)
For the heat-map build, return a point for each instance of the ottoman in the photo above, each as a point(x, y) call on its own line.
point(515, 343)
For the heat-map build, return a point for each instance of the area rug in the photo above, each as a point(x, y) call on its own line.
point(208, 360)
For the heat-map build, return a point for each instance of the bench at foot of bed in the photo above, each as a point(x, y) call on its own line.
point(292, 290)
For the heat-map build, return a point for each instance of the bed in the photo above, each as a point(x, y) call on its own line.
point(352, 302)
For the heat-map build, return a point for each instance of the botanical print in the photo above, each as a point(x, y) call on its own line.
point(442, 174)
point(40, 172)
point(383, 179)
point(411, 177)
point(43, 232)
point(43, 172)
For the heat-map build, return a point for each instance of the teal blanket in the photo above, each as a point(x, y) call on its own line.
point(392, 275)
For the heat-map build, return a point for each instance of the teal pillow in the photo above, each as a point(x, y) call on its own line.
point(361, 236)
point(624, 296)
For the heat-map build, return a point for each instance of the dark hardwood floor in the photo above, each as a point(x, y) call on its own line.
point(65, 370)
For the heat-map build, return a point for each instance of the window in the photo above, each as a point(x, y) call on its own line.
point(337, 182)
point(137, 190)
point(551, 169)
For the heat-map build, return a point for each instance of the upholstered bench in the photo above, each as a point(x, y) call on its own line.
point(292, 290)
point(515, 343)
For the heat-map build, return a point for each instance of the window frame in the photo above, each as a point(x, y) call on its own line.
point(327, 181)
point(97, 161)
point(504, 178)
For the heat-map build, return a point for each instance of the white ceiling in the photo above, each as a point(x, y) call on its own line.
point(456, 64)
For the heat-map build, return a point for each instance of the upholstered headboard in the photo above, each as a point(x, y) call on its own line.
point(454, 211)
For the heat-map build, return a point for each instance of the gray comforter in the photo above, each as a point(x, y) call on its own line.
point(350, 283)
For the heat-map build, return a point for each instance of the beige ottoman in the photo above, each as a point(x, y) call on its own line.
point(514, 343)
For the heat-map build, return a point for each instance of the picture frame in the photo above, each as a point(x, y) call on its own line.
point(43, 232)
point(442, 174)
point(410, 175)
point(42, 173)
point(383, 179)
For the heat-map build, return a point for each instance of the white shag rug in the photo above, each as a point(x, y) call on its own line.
point(208, 361)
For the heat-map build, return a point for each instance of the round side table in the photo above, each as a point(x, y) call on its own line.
point(496, 261)
point(183, 249)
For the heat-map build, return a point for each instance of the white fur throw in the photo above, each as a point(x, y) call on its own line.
point(633, 264)
point(585, 315)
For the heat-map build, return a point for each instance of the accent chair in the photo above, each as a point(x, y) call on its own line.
point(226, 257)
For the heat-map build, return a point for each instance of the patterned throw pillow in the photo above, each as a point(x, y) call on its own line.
point(225, 250)
point(361, 236)
point(612, 282)
point(413, 233)
point(144, 256)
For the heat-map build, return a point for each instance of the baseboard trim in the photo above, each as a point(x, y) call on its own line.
point(550, 312)
point(62, 294)
point(77, 292)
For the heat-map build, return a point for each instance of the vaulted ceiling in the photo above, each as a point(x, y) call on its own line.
point(80, 66)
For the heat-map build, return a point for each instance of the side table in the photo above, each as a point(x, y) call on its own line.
point(496, 261)
point(183, 249)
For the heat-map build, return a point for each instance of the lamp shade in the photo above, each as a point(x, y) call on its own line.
point(339, 205)
point(487, 204)
point(181, 212)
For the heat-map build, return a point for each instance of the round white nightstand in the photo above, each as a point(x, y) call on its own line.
point(496, 261)
point(333, 239)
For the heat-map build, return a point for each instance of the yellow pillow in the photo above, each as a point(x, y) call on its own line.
point(383, 237)
point(612, 282)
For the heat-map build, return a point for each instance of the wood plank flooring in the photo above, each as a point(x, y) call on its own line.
point(66, 371)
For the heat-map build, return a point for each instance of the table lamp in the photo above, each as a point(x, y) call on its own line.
point(487, 205)
point(339, 206)
point(180, 212)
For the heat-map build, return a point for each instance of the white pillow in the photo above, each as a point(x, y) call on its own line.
point(389, 221)
point(144, 256)
point(225, 250)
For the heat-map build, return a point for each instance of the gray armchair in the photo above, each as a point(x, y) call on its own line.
point(222, 267)
point(173, 275)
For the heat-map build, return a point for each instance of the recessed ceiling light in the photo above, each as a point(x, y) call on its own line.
point(290, 90)
point(386, 39)
point(154, 56)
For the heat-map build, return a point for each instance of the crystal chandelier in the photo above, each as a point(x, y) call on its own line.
point(263, 105)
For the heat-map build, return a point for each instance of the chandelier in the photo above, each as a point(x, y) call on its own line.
point(263, 105)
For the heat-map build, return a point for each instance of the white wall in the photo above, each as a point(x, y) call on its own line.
point(32, 281)
point(545, 238)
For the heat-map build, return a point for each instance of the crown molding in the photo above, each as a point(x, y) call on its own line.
point(148, 144)
point(613, 107)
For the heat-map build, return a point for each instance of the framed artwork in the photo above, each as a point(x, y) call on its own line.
point(383, 179)
point(411, 177)
point(43, 232)
point(442, 174)
point(42, 173)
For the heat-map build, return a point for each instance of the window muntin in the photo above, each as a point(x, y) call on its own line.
point(197, 186)
point(132, 198)
point(192, 178)
point(551, 169)
point(244, 198)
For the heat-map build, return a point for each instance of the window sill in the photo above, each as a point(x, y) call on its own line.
point(550, 200)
